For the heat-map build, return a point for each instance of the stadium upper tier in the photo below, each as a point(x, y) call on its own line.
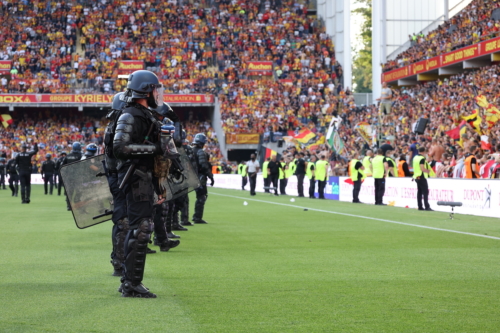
point(473, 24)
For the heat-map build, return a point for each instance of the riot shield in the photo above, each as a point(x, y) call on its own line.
point(88, 191)
point(177, 184)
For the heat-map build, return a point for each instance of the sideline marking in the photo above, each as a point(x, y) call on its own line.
point(363, 217)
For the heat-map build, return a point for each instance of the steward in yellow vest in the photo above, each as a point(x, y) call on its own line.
point(242, 170)
point(421, 171)
point(392, 167)
point(311, 175)
point(321, 174)
point(283, 179)
point(367, 164)
point(356, 173)
point(380, 172)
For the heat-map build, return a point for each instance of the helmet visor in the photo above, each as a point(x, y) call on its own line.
point(158, 94)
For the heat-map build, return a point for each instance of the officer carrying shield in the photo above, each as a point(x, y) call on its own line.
point(184, 218)
point(47, 171)
point(23, 164)
point(136, 143)
point(204, 172)
point(73, 156)
point(3, 167)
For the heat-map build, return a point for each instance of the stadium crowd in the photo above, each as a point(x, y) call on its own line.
point(55, 132)
point(472, 25)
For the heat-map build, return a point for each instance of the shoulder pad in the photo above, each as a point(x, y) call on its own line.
point(134, 112)
point(126, 118)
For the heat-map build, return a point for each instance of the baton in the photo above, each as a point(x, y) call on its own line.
point(106, 213)
point(131, 168)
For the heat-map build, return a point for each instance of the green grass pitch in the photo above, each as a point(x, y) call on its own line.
point(262, 267)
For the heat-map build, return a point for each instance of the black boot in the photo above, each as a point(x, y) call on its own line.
point(17, 190)
point(28, 193)
point(186, 223)
point(169, 244)
point(171, 235)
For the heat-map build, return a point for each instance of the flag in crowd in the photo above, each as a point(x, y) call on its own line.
point(6, 120)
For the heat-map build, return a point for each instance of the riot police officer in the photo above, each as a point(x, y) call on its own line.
point(3, 167)
point(23, 164)
point(13, 177)
point(90, 151)
point(184, 210)
point(73, 156)
point(59, 162)
point(136, 143)
point(204, 172)
point(47, 171)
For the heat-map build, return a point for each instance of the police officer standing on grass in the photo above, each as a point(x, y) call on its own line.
point(273, 170)
point(13, 177)
point(3, 171)
point(421, 171)
point(252, 168)
point(47, 171)
point(74, 156)
point(380, 173)
point(23, 164)
point(136, 144)
point(204, 172)
point(300, 172)
point(265, 176)
point(242, 171)
point(59, 162)
point(310, 174)
point(184, 220)
point(356, 169)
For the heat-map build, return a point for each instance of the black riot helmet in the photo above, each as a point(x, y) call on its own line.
point(118, 103)
point(24, 147)
point(91, 150)
point(200, 139)
point(164, 110)
point(48, 156)
point(144, 84)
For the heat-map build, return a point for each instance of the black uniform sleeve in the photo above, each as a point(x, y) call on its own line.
point(203, 163)
point(473, 160)
point(422, 161)
point(358, 165)
point(34, 151)
point(313, 167)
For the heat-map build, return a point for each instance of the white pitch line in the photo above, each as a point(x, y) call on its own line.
point(363, 217)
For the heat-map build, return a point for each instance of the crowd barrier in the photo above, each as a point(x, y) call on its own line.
point(479, 197)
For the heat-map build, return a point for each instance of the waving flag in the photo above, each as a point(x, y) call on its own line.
point(304, 136)
point(474, 120)
point(6, 120)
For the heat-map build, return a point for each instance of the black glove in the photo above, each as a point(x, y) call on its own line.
point(212, 181)
point(178, 134)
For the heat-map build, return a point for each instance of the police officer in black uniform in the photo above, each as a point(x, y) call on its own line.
point(90, 151)
point(136, 143)
point(48, 170)
point(3, 171)
point(204, 172)
point(13, 177)
point(23, 164)
point(73, 156)
point(59, 162)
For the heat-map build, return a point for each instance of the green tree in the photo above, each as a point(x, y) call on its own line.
point(362, 61)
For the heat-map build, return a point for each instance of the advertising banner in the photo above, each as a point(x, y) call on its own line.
point(479, 197)
point(5, 66)
point(447, 59)
point(260, 67)
point(242, 138)
point(94, 98)
point(129, 66)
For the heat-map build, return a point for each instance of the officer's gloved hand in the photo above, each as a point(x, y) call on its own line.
point(212, 181)
point(178, 134)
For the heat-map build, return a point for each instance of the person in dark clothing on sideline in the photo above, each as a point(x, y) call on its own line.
point(300, 172)
point(273, 171)
point(23, 164)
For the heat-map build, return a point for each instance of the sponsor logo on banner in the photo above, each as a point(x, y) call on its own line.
point(5, 65)
point(94, 99)
point(260, 67)
point(130, 66)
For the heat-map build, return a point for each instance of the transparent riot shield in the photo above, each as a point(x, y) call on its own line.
point(177, 184)
point(88, 191)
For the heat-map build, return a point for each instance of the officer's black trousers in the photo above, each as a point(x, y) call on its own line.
point(185, 209)
point(14, 183)
point(119, 209)
point(379, 190)
point(2, 180)
point(274, 181)
point(422, 193)
point(160, 219)
point(355, 190)
point(312, 187)
point(253, 182)
point(49, 178)
point(321, 188)
point(199, 207)
point(59, 185)
point(25, 178)
point(300, 185)
point(267, 182)
point(244, 181)
point(283, 184)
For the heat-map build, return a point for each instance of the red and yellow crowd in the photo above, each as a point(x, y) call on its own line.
point(472, 25)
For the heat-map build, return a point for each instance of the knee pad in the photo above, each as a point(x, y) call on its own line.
point(143, 232)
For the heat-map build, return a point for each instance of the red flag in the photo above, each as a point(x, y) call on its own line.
point(454, 133)
point(349, 181)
